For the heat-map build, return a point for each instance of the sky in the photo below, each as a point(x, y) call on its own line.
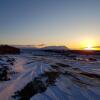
point(73, 23)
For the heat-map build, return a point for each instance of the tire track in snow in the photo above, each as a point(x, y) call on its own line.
point(9, 90)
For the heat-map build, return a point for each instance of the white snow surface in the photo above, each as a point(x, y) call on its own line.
point(27, 67)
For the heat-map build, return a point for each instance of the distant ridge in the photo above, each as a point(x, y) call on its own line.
point(5, 49)
point(24, 46)
point(55, 48)
point(42, 48)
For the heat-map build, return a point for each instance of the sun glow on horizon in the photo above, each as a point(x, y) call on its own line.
point(88, 44)
point(89, 47)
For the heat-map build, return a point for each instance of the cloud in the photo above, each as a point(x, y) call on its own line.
point(96, 47)
point(41, 45)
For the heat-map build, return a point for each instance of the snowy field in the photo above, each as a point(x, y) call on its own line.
point(52, 77)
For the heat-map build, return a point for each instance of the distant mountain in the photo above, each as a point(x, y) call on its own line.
point(55, 48)
point(40, 47)
point(24, 46)
point(35, 47)
point(30, 46)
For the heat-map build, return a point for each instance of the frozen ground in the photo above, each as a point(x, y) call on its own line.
point(32, 77)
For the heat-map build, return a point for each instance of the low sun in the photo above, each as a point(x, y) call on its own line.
point(88, 44)
point(89, 47)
